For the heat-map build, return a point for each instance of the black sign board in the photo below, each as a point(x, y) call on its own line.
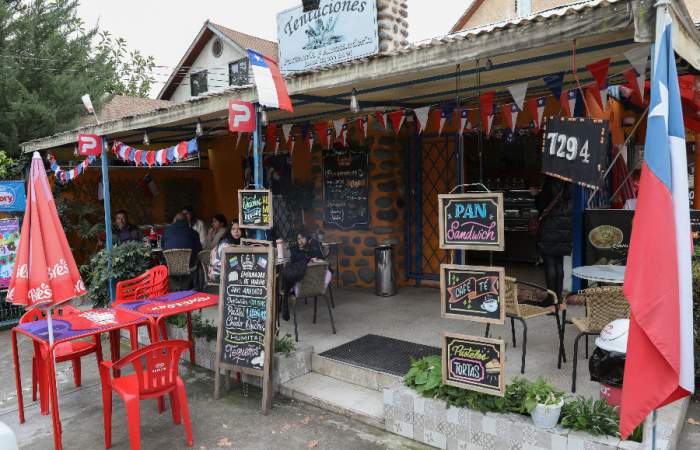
point(471, 221)
point(472, 293)
point(474, 363)
point(695, 226)
point(575, 149)
point(346, 190)
point(255, 209)
point(246, 309)
point(607, 233)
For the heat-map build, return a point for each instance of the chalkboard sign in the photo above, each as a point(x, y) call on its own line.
point(472, 293)
point(246, 309)
point(255, 209)
point(471, 221)
point(695, 226)
point(474, 363)
point(575, 149)
point(346, 190)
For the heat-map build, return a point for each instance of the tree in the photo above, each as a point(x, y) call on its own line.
point(48, 60)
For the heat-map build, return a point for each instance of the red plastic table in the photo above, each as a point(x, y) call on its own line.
point(68, 328)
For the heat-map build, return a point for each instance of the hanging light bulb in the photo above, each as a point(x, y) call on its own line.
point(198, 130)
point(354, 103)
point(146, 141)
point(263, 117)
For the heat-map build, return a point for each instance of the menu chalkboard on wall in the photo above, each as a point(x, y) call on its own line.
point(246, 309)
point(474, 363)
point(471, 221)
point(346, 190)
point(472, 293)
point(255, 209)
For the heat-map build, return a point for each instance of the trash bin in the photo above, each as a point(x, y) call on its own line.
point(607, 363)
point(384, 276)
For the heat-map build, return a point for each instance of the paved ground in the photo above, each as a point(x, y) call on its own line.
point(234, 421)
point(690, 437)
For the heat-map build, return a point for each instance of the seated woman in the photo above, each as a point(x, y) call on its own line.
point(233, 237)
point(216, 232)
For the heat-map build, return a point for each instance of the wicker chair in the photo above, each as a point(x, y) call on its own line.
point(326, 252)
point(603, 305)
point(312, 285)
point(204, 258)
point(523, 312)
point(178, 262)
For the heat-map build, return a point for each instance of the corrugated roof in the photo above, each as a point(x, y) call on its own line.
point(260, 45)
point(123, 106)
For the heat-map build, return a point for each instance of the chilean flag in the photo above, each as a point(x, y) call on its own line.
point(271, 88)
point(658, 282)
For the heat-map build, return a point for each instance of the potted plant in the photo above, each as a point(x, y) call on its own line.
point(544, 403)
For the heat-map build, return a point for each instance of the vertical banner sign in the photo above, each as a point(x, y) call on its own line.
point(575, 149)
point(12, 196)
point(472, 293)
point(474, 363)
point(9, 241)
point(338, 31)
point(346, 190)
point(246, 315)
point(255, 209)
point(471, 221)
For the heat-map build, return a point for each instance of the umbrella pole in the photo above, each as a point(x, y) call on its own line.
point(53, 383)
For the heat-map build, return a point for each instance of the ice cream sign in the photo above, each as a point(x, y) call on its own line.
point(12, 196)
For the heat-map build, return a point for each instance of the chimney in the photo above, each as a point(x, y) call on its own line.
point(392, 21)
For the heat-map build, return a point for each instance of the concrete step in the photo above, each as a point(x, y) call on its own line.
point(360, 376)
point(347, 399)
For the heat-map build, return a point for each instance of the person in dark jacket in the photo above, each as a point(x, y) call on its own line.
point(124, 231)
point(554, 236)
point(179, 234)
point(307, 249)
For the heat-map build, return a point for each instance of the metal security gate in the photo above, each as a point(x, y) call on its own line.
point(9, 313)
point(432, 167)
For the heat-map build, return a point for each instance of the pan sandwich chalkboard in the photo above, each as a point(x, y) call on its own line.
point(472, 293)
point(346, 190)
point(474, 363)
point(255, 209)
point(575, 149)
point(246, 310)
point(471, 221)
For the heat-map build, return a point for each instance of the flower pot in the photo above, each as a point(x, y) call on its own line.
point(546, 416)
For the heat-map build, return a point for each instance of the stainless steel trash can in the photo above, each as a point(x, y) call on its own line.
point(384, 273)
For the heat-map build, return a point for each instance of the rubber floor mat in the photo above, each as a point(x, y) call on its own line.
point(380, 353)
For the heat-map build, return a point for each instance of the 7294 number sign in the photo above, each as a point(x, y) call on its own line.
point(575, 149)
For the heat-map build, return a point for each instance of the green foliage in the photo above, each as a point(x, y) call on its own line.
point(284, 344)
point(201, 327)
point(696, 309)
point(128, 261)
point(83, 222)
point(540, 392)
point(593, 416)
point(131, 71)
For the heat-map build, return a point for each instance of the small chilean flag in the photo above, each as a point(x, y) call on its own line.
point(272, 91)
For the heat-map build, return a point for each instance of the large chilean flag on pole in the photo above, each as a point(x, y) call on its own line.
point(658, 282)
point(268, 80)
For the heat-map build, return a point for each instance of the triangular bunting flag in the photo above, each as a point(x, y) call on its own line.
point(271, 132)
point(380, 118)
point(486, 107)
point(514, 111)
point(568, 102)
point(489, 120)
point(555, 82)
point(632, 82)
point(595, 93)
point(286, 131)
point(464, 120)
point(422, 117)
point(321, 134)
point(446, 114)
point(338, 126)
point(518, 92)
point(532, 109)
point(599, 70)
point(639, 58)
point(396, 118)
point(507, 117)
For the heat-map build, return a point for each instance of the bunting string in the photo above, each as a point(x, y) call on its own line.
point(151, 158)
point(66, 176)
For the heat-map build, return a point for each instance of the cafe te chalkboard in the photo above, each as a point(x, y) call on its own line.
point(346, 190)
point(474, 363)
point(246, 310)
point(255, 209)
point(575, 149)
point(472, 293)
point(471, 221)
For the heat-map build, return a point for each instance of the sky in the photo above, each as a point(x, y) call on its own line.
point(166, 28)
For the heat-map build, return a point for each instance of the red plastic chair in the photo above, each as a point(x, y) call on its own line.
point(158, 377)
point(67, 351)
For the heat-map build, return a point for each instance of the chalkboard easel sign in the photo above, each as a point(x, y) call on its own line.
point(246, 311)
point(575, 149)
point(471, 221)
point(472, 293)
point(474, 363)
point(346, 190)
point(255, 209)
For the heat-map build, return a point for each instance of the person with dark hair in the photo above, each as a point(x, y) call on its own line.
point(123, 230)
point(216, 232)
point(196, 223)
point(233, 237)
point(306, 250)
point(179, 234)
point(554, 235)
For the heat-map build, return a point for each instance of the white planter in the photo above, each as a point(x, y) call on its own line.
point(546, 416)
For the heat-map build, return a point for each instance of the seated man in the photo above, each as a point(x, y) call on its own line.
point(123, 230)
point(179, 234)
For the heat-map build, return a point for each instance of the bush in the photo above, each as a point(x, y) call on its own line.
point(595, 417)
point(128, 261)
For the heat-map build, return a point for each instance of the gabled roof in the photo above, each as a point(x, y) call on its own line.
point(232, 37)
point(121, 106)
point(471, 9)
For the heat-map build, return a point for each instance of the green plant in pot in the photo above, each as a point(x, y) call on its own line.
point(543, 402)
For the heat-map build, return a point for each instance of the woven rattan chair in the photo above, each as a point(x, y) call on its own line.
point(523, 312)
point(178, 262)
point(603, 305)
point(312, 285)
point(204, 258)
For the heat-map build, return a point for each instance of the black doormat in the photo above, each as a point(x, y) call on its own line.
point(380, 353)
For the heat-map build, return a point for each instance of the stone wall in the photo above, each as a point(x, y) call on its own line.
point(392, 21)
